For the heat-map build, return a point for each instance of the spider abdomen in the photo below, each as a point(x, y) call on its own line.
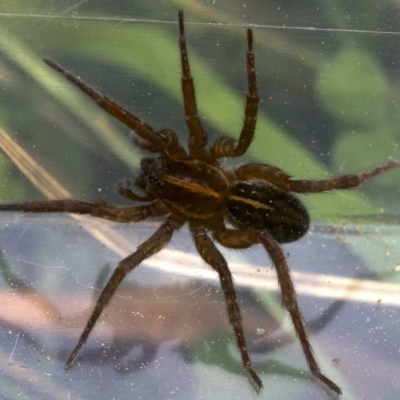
point(191, 188)
point(258, 205)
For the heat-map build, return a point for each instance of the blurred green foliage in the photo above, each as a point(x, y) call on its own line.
point(329, 96)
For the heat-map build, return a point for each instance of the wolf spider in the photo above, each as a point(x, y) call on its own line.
point(191, 186)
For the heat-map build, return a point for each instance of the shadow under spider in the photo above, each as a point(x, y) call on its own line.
point(130, 349)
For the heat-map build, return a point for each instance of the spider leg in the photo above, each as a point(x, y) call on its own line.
point(143, 144)
point(174, 148)
point(236, 238)
point(97, 209)
point(124, 189)
point(154, 244)
point(340, 182)
point(280, 179)
point(265, 172)
point(214, 258)
point(198, 137)
point(145, 131)
point(229, 147)
point(289, 301)
point(155, 209)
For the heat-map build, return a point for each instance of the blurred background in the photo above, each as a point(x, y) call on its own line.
point(328, 79)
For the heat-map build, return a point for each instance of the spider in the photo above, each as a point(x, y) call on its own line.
point(191, 186)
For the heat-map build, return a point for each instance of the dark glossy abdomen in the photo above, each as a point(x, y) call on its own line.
point(262, 206)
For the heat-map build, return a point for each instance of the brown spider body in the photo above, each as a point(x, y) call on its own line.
point(192, 189)
point(203, 192)
point(191, 186)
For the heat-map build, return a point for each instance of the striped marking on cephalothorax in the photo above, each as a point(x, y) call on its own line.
point(193, 187)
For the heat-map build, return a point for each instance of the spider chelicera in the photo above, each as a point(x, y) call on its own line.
point(191, 186)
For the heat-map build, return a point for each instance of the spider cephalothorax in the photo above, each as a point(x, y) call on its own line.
point(191, 186)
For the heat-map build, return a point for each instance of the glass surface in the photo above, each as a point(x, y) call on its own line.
point(166, 332)
point(328, 79)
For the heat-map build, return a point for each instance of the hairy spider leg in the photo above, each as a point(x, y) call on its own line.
point(227, 146)
point(235, 238)
point(212, 256)
point(154, 244)
point(289, 301)
point(124, 189)
point(280, 179)
point(97, 209)
point(174, 149)
point(141, 128)
point(198, 137)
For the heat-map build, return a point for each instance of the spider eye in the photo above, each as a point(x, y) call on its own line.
point(258, 205)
